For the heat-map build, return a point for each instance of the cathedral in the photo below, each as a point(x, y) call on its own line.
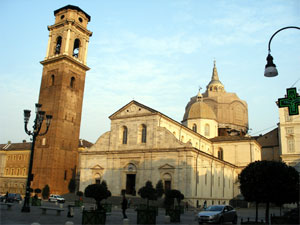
point(201, 156)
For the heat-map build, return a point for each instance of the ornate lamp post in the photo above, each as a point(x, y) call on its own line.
point(270, 69)
point(39, 118)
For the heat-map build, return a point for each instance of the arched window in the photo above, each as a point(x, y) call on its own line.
point(207, 130)
point(194, 127)
point(76, 48)
point(52, 80)
point(220, 153)
point(72, 82)
point(144, 133)
point(125, 133)
point(97, 178)
point(58, 45)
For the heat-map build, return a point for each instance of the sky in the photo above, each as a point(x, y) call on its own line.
point(155, 52)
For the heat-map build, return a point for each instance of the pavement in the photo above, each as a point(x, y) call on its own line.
point(16, 217)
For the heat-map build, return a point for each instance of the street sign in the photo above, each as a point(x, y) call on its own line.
point(292, 101)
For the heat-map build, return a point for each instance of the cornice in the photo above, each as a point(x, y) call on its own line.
point(64, 57)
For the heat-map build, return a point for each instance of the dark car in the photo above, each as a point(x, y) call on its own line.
point(12, 197)
point(218, 214)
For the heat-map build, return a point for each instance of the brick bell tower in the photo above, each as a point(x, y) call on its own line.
point(61, 95)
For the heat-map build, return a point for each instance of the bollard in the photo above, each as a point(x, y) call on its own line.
point(126, 221)
point(70, 211)
point(82, 208)
point(56, 203)
point(69, 223)
point(61, 205)
point(35, 223)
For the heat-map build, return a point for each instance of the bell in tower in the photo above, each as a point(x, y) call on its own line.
point(61, 94)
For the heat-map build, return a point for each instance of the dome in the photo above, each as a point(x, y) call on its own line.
point(199, 110)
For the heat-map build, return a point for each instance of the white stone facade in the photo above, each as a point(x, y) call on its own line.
point(181, 158)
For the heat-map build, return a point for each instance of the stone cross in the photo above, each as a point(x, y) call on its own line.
point(292, 101)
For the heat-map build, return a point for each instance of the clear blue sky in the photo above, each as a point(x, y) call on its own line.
point(156, 52)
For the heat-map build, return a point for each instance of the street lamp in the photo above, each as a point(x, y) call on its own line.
point(39, 118)
point(270, 69)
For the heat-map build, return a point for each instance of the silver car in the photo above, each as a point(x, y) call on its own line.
point(218, 214)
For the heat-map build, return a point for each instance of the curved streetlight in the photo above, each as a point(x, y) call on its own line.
point(39, 118)
point(270, 69)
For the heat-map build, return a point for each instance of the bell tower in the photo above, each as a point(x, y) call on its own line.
point(61, 95)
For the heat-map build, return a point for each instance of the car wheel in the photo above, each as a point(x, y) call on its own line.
point(221, 220)
point(235, 220)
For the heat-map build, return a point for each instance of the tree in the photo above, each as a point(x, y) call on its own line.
point(159, 189)
point(173, 194)
point(46, 192)
point(169, 200)
point(37, 191)
point(269, 182)
point(98, 192)
point(148, 192)
point(72, 185)
point(177, 195)
point(79, 194)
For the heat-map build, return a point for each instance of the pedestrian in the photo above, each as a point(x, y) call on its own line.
point(187, 206)
point(204, 204)
point(6, 196)
point(124, 206)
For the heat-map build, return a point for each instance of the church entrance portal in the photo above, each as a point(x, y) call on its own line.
point(167, 185)
point(130, 184)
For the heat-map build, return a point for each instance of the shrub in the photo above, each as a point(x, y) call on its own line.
point(98, 192)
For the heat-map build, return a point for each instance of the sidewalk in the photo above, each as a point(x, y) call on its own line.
point(16, 217)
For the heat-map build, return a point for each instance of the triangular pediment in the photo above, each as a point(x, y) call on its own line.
point(97, 167)
point(133, 109)
point(166, 167)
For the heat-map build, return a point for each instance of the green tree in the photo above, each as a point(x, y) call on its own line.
point(148, 192)
point(173, 194)
point(98, 192)
point(159, 189)
point(37, 191)
point(169, 200)
point(79, 194)
point(46, 192)
point(72, 186)
point(269, 182)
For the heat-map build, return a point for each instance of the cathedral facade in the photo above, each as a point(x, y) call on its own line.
point(201, 157)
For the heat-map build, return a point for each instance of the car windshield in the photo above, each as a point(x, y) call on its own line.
point(214, 208)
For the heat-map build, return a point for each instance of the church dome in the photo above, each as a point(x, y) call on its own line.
point(199, 110)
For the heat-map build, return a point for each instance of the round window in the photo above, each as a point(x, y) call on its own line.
point(80, 19)
point(63, 16)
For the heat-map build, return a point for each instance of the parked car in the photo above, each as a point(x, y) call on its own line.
point(218, 214)
point(12, 197)
point(56, 198)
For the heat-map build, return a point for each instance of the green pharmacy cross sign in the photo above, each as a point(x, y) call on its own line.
point(292, 101)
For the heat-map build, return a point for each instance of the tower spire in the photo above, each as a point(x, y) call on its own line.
point(215, 72)
point(215, 84)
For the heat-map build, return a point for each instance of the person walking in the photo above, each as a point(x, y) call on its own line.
point(204, 205)
point(124, 207)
